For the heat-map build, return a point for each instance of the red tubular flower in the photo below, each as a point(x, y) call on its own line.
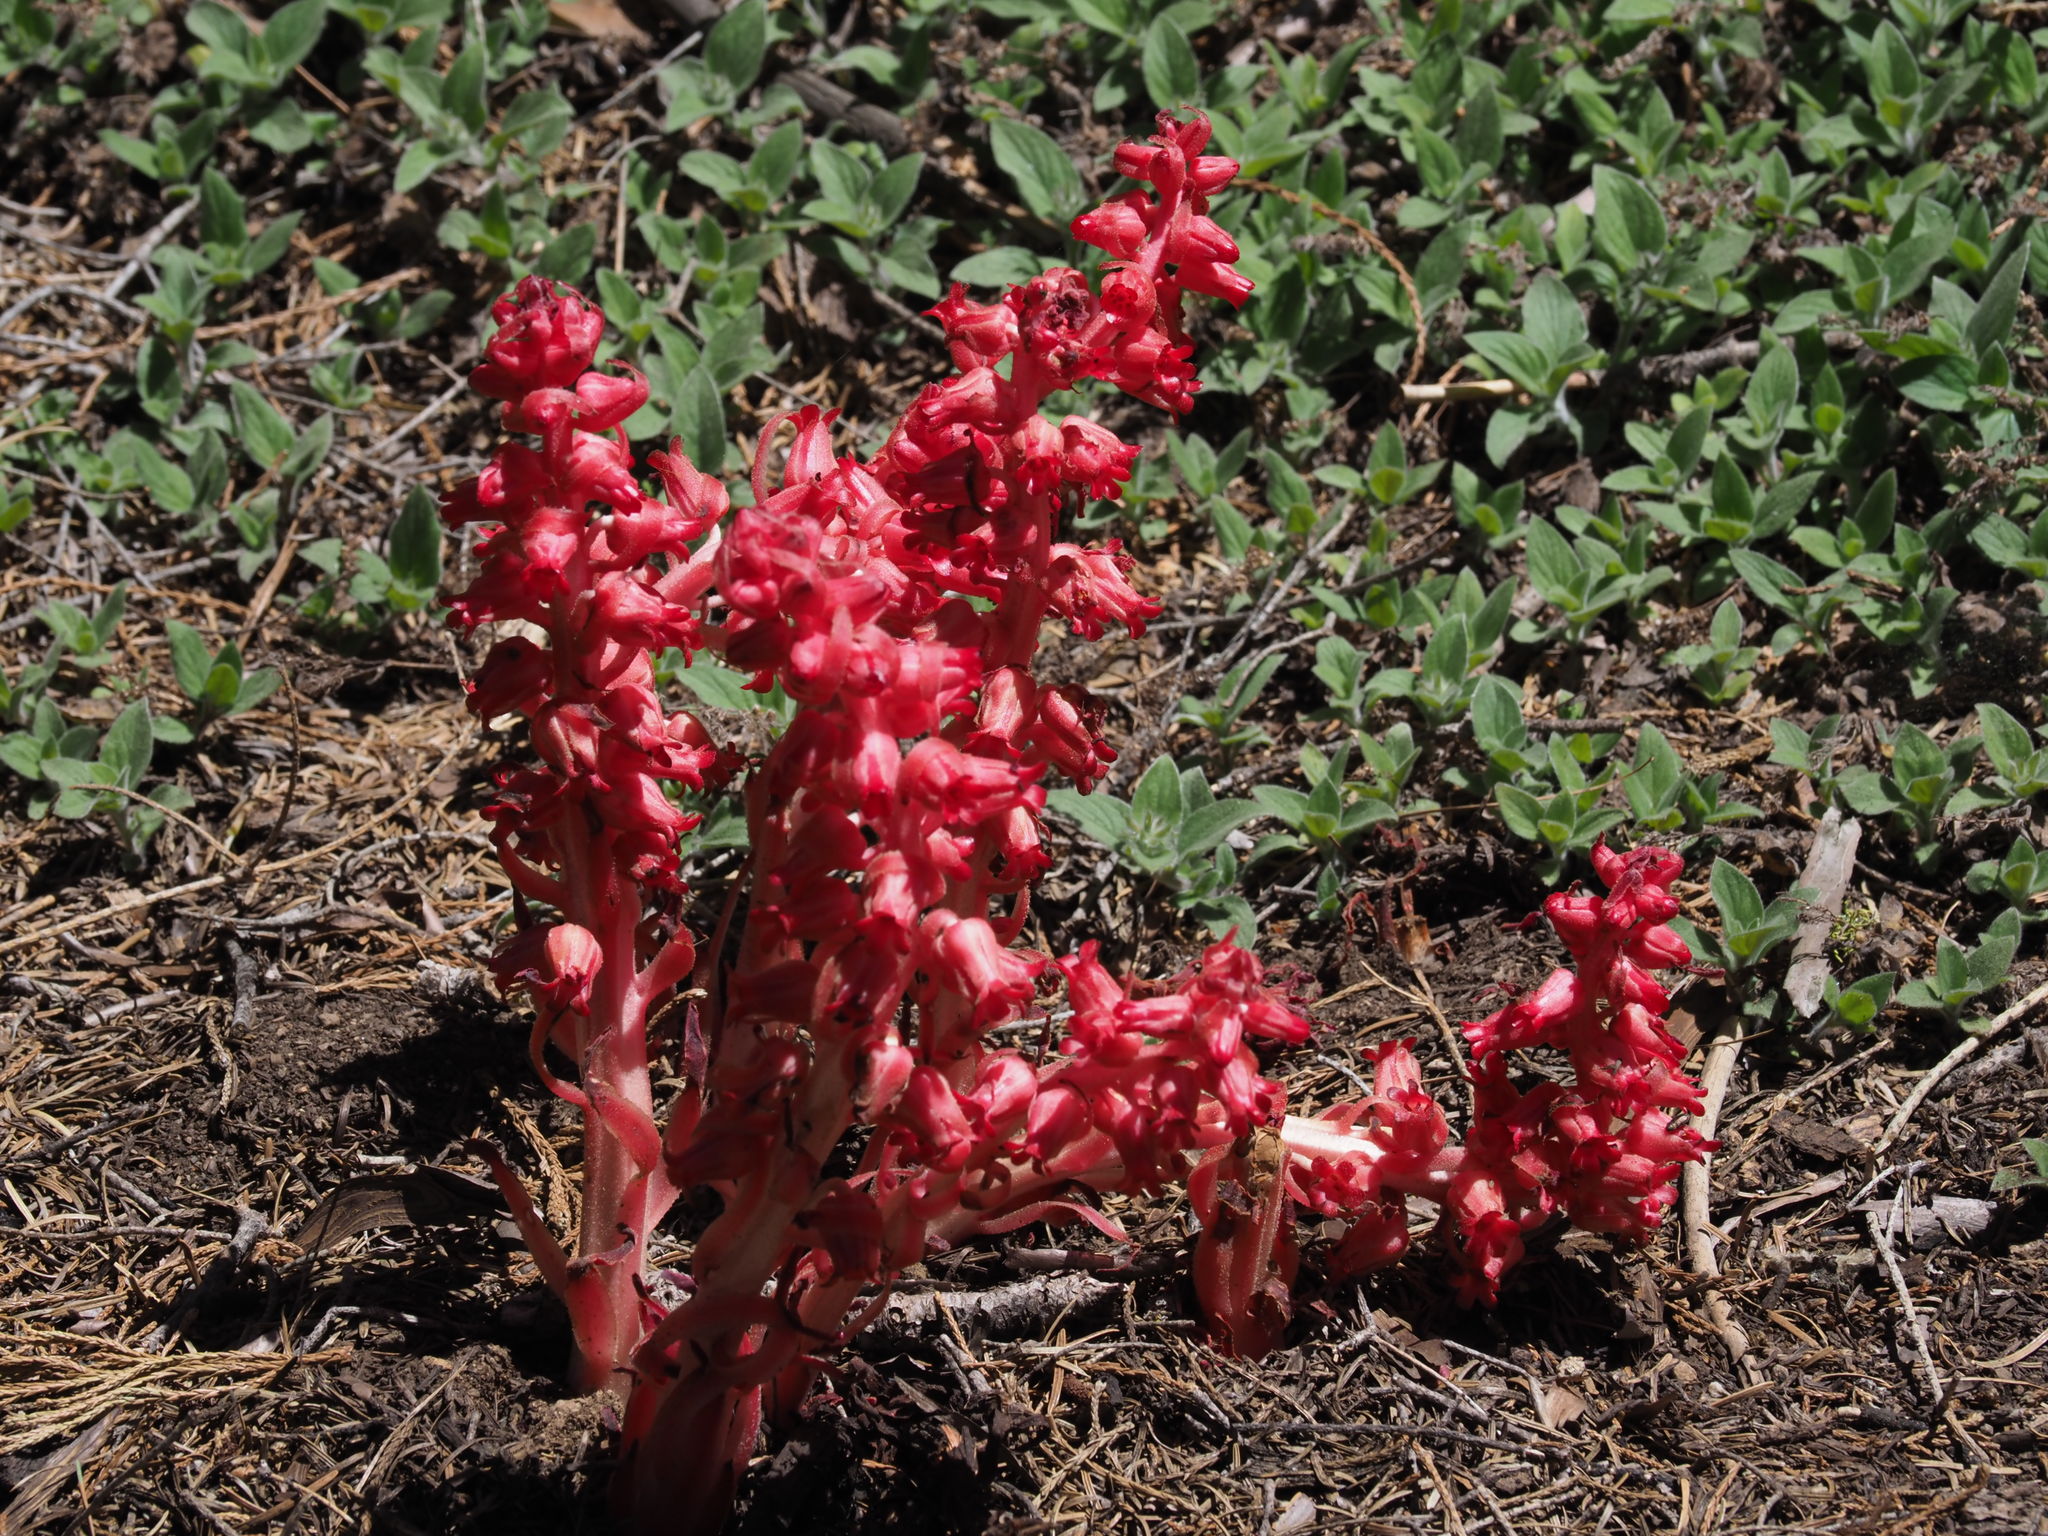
point(1094, 457)
point(977, 334)
point(514, 679)
point(1119, 226)
point(1089, 589)
point(556, 962)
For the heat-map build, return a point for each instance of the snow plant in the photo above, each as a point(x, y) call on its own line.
point(870, 946)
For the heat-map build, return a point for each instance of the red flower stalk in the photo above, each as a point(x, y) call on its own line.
point(1600, 1150)
point(894, 835)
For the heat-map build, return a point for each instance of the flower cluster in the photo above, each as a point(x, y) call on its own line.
point(1601, 1149)
point(894, 833)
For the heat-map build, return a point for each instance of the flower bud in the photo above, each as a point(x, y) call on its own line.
point(930, 1110)
point(1058, 1117)
point(1118, 227)
point(513, 680)
point(979, 335)
point(1003, 1094)
point(556, 962)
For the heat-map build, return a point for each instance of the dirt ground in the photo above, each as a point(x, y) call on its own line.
point(235, 1297)
point(250, 1282)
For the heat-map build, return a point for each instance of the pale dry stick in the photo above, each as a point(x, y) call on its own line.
point(34, 210)
point(1671, 368)
point(184, 821)
point(35, 296)
point(1454, 1043)
point(87, 1013)
point(291, 783)
point(1826, 875)
point(146, 247)
point(1955, 1058)
point(77, 252)
point(651, 71)
point(1379, 248)
point(1481, 389)
point(1881, 1235)
point(1944, 1393)
point(418, 419)
point(1694, 1186)
point(266, 593)
point(1830, 860)
point(318, 306)
point(216, 332)
point(1453, 1521)
point(406, 1423)
point(1220, 661)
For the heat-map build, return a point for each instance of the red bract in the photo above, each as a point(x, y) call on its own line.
point(894, 831)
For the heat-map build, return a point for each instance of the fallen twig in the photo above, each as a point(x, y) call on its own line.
point(1826, 875)
point(1695, 1191)
point(142, 899)
point(1483, 389)
point(1943, 1393)
point(1829, 862)
point(1955, 1058)
point(1015, 1308)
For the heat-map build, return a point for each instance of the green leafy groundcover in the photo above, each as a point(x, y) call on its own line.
point(1731, 363)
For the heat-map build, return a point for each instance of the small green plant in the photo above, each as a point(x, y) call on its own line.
point(1810, 752)
point(86, 637)
point(47, 737)
point(1855, 1008)
point(1926, 781)
point(1465, 635)
point(2021, 763)
point(1389, 761)
point(454, 108)
point(20, 694)
point(1222, 715)
point(1750, 930)
point(1541, 358)
point(2020, 877)
point(1500, 731)
point(1961, 976)
point(72, 786)
point(1323, 820)
point(173, 152)
point(1388, 478)
point(213, 680)
point(1810, 606)
point(1584, 577)
point(1172, 831)
point(715, 85)
point(1664, 797)
point(404, 579)
point(257, 61)
point(863, 206)
point(1494, 513)
point(1721, 667)
point(1570, 820)
point(2035, 1176)
point(2019, 547)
